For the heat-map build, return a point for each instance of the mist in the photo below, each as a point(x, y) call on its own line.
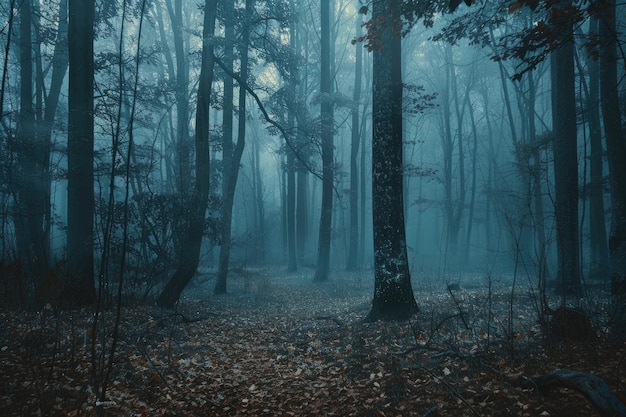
point(419, 182)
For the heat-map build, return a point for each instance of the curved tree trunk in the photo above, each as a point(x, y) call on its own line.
point(233, 165)
point(190, 253)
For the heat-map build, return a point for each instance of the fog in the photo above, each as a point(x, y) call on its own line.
point(297, 207)
point(478, 165)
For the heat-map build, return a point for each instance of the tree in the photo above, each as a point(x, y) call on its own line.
point(79, 286)
point(33, 139)
point(292, 261)
point(352, 263)
point(29, 221)
point(183, 151)
point(234, 159)
point(393, 293)
point(565, 149)
point(599, 262)
point(190, 253)
point(326, 126)
point(227, 147)
point(616, 150)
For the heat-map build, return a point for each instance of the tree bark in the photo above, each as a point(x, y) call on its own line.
point(599, 251)
point(183, 145)
point(565, 167)
point(393, 294)
point(31, 188)
point(234, 160)
point(616, 151)
point(190, 253)
point(353, 249)
point(327, 127)
point(79, 286)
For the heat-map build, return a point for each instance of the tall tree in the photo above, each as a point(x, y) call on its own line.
point(79, 286)
point(59, 69)
point(234, 160)
point(355, 127)
point(292, 256)
point(616, 150)
point(565, 149)
point(393, 293)
point(228, 107)
point(190, 253)
point(183, 141)
point(327, 127)
point(599, 251)
point(31, 237)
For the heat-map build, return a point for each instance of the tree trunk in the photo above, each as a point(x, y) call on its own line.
point(354, 152)
point(258, 203)
point(234, 161)
point(616, 151)
point(190, 253)
point(59, 69)
point(565, 168)
point(227, 150)
point(537, 176)
point(327, 127)
point(472, 202)
point(292, 264)
point(302, 212)
point(32, 198)
point(599, 251)
point(183, 144)
point(393, 294)
point(79, 288)
point(292, 261)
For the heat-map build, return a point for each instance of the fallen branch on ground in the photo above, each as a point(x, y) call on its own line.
point(594, 388)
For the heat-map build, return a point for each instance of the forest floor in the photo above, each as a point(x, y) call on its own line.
point(279, 345)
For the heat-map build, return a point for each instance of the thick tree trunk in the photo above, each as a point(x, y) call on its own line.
point(190, 253)
point(327, 127)
point(565, 168)
point(616, 151)
point(393, 294)
point(79, 286)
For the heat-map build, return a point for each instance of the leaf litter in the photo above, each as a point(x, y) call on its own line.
point(279, 345)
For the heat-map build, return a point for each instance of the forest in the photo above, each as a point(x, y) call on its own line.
point(303, 207)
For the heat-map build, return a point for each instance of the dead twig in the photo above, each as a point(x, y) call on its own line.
point(451, 389)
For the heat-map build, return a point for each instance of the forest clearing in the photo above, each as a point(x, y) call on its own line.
point(280, 345)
